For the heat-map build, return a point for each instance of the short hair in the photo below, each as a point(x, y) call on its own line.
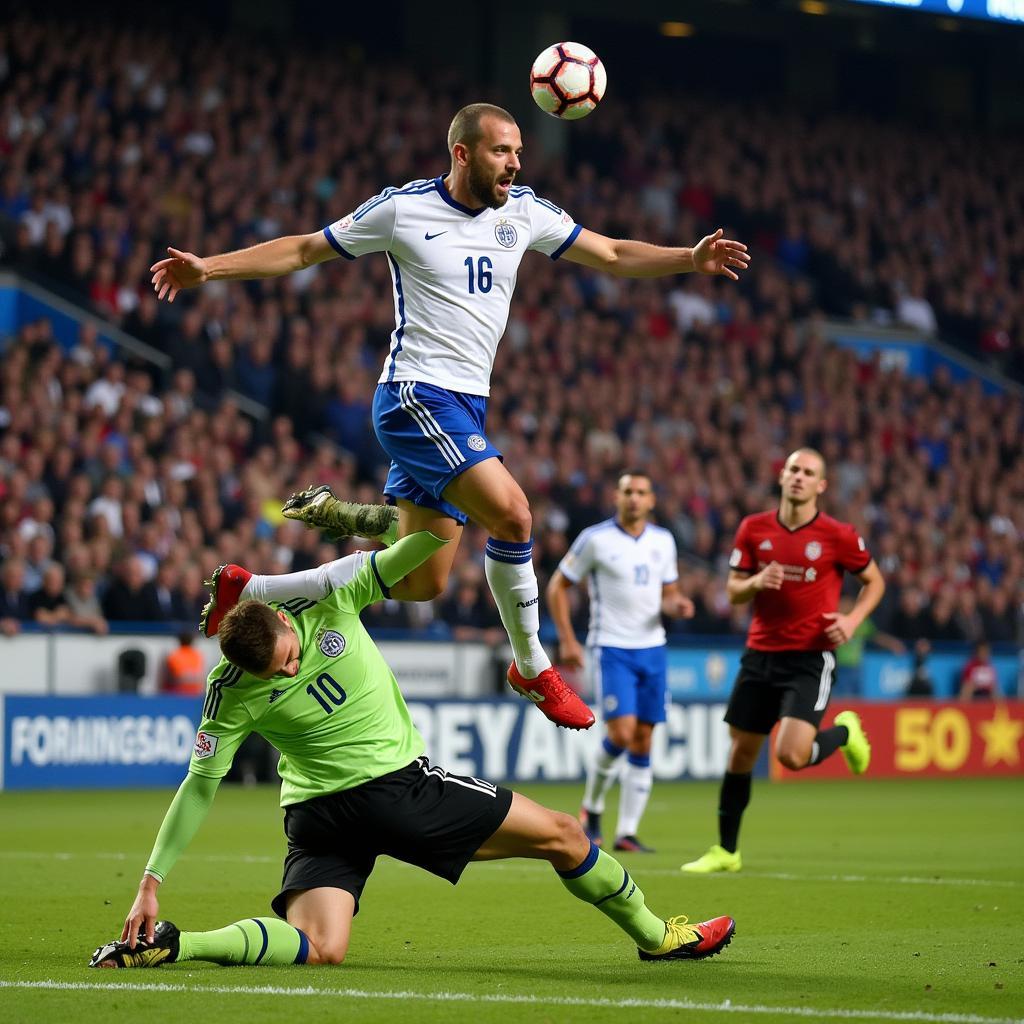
point(806, 450)
point(465, 126)
point(248, 636)
point(634, 472)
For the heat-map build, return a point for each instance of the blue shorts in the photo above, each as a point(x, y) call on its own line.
point(631, 682)
point(431, 436)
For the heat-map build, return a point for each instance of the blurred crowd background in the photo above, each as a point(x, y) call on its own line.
point(122, 484)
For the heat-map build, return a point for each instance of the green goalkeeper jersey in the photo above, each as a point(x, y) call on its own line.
point(339, 722)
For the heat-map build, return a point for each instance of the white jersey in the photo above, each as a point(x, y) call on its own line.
point(454, 270)
point(625, 576)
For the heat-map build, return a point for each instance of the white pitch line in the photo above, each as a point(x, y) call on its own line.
point(529, 866)
point(726, 1006)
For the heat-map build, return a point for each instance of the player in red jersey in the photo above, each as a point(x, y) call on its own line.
point(790, 563)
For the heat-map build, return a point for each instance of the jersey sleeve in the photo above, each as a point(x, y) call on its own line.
point(851, 550)
point(671, 571)
point(225, 724)
point(370, 228)
point(364, 588)
point(552, 229)
point(579, 559)
point(742, 558)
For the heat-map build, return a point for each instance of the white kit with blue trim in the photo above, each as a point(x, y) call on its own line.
point(625, 575)
point(454, 270)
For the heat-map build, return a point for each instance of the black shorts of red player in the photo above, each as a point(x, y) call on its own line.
point(780, 684)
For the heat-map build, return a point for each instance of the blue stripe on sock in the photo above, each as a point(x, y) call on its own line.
point(509, 551)
point(377, 576)
point(640, 760)
point(266, 938)
point(303, 953)
point(610, 748)
point(621, 888)
point(588, 862)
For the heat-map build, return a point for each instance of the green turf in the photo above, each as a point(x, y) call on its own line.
point(883, 897)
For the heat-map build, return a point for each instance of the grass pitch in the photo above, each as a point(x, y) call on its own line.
point(866, 900)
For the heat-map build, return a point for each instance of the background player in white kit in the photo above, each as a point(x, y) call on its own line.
point(631, 567)
point(454, 245)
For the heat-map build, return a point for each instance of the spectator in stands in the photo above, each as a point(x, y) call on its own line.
point(921, 683)
point(850, 656)
point(48, 604)
point(130, 597)
point(469, 610)
point(14, 600)
point(84, 607)
point(978, 680)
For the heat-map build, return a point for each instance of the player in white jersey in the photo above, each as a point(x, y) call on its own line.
point(631, 568)
point(454, 244)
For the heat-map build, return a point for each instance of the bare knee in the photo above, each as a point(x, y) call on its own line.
point(513, 522)
point(621, 732)
point(568, 845)
point(326, 951)
point(423, 585)
point(792, 759)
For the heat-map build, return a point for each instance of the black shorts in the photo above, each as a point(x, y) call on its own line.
point(780, 684)
point(419, 814)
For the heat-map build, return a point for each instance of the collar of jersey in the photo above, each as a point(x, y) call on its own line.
point(443, 192)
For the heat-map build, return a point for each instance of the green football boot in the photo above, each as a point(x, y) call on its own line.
point(715, 860)
point(856, 749)
point(319, 508)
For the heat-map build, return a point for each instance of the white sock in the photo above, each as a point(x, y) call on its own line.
point(601, 775)
point(510, 575)
point(634, 794)
point(314, 584)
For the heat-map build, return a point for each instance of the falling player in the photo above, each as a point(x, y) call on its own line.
point(454, 245)
point(631, 567)
point(355, 784)
point(790, 563)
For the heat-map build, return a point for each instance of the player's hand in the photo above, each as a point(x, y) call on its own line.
point(678, 606)
point(841, 627)
point(143, 915)
point(714, 254)
point(771, 577)
point(570, 653)
point(180, 270)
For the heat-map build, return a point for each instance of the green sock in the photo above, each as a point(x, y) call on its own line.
point(603, 882)
point(257, 940)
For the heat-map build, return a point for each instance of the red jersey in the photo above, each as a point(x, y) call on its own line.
point(982, 677)
point(813, 557)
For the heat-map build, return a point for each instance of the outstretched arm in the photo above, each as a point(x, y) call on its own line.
point(187, 812)
point(284, 255)
point(624, 257)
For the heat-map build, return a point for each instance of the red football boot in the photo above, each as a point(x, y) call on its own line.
point(692, 941)
point(225, 587)
point(556, 700)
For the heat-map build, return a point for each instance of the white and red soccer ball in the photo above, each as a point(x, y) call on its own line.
point(568, 80)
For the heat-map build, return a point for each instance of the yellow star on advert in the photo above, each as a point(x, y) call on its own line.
point(1002, 737)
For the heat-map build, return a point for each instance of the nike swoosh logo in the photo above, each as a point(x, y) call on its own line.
point(428, 236)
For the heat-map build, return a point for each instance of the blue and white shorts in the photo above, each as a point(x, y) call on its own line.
point(431, 436)
point(631, 682)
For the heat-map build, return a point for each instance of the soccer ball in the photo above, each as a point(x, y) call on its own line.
point(568, 80)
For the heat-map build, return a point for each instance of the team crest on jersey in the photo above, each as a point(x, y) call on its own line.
point(506, 234)
point(813, 550)
point(476, 442)
point(811, 574)
point(330, 642)
point(206, 745)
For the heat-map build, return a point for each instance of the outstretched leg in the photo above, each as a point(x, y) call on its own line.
point(591, 875)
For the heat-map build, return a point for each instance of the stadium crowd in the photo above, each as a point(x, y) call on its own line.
point(122, 486)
